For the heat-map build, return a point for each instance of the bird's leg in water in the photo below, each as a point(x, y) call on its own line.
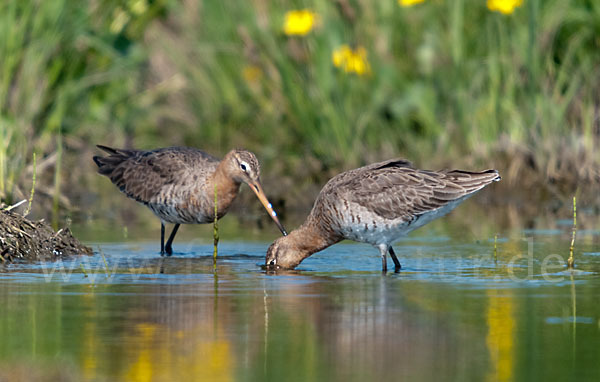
point(169, 248)
point(162, 239)
point(397, 265)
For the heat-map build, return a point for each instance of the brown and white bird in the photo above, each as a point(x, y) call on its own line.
point(178, 183)
point(376, 204)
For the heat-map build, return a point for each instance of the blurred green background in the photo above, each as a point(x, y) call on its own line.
point(341, 84)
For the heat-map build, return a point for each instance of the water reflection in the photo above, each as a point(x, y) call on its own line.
point(157, 352)
point(468, 320)
point(501, 335)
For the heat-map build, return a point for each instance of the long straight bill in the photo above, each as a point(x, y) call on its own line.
point(257, 188)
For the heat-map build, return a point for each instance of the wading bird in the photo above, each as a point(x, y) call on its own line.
point(178, 183)
point(376, 204)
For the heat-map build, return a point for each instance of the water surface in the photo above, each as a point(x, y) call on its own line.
point(454, 312)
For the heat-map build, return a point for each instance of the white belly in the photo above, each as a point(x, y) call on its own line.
point(359, 224)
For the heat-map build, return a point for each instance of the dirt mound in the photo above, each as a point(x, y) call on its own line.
point(21, 238)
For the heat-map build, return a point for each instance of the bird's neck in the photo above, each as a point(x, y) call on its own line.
point(226, 187)
point(310, 238)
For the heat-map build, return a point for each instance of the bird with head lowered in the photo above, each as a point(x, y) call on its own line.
point(376, 204)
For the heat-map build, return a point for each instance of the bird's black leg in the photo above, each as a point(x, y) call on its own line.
point(162, 239)
point(397, 265)
point(169, 249)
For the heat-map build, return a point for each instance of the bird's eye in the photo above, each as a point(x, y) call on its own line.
point(272, 262)
point(243, 167)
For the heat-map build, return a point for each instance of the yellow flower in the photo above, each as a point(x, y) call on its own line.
point(409, 3)
point(252, 73)
point(504, 6)
point(120, 19)
point(300, 22)
point(340, 54)
point(139, 6)
point(351, 61)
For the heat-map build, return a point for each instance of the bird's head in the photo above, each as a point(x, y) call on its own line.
point(243, 167)
point(283, 253)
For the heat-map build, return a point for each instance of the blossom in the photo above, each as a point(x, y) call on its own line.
point(252, 73)
point(409, 3)
point(504, 6)
point(351, 60)
point(299, 23)
point(139, 7)
point(120, 19)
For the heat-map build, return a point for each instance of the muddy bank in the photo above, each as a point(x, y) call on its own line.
point(23, 239)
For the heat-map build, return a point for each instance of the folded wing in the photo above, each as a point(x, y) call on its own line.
point(394, 189)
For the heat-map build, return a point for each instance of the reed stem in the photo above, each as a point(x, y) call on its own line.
point(57, 180)
point(28, 210)
point(215, 234)
point(571, 260)
point(495, 248)
point(83, 270)
point(105, 263)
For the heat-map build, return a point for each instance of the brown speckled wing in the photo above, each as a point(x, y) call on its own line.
point(141, 175)
point(394, 190)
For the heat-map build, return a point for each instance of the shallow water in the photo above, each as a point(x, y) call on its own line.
point(452, 313)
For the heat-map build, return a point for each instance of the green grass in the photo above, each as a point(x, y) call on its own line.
point(449, 79)
point(450, 82)
point(63, 74)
